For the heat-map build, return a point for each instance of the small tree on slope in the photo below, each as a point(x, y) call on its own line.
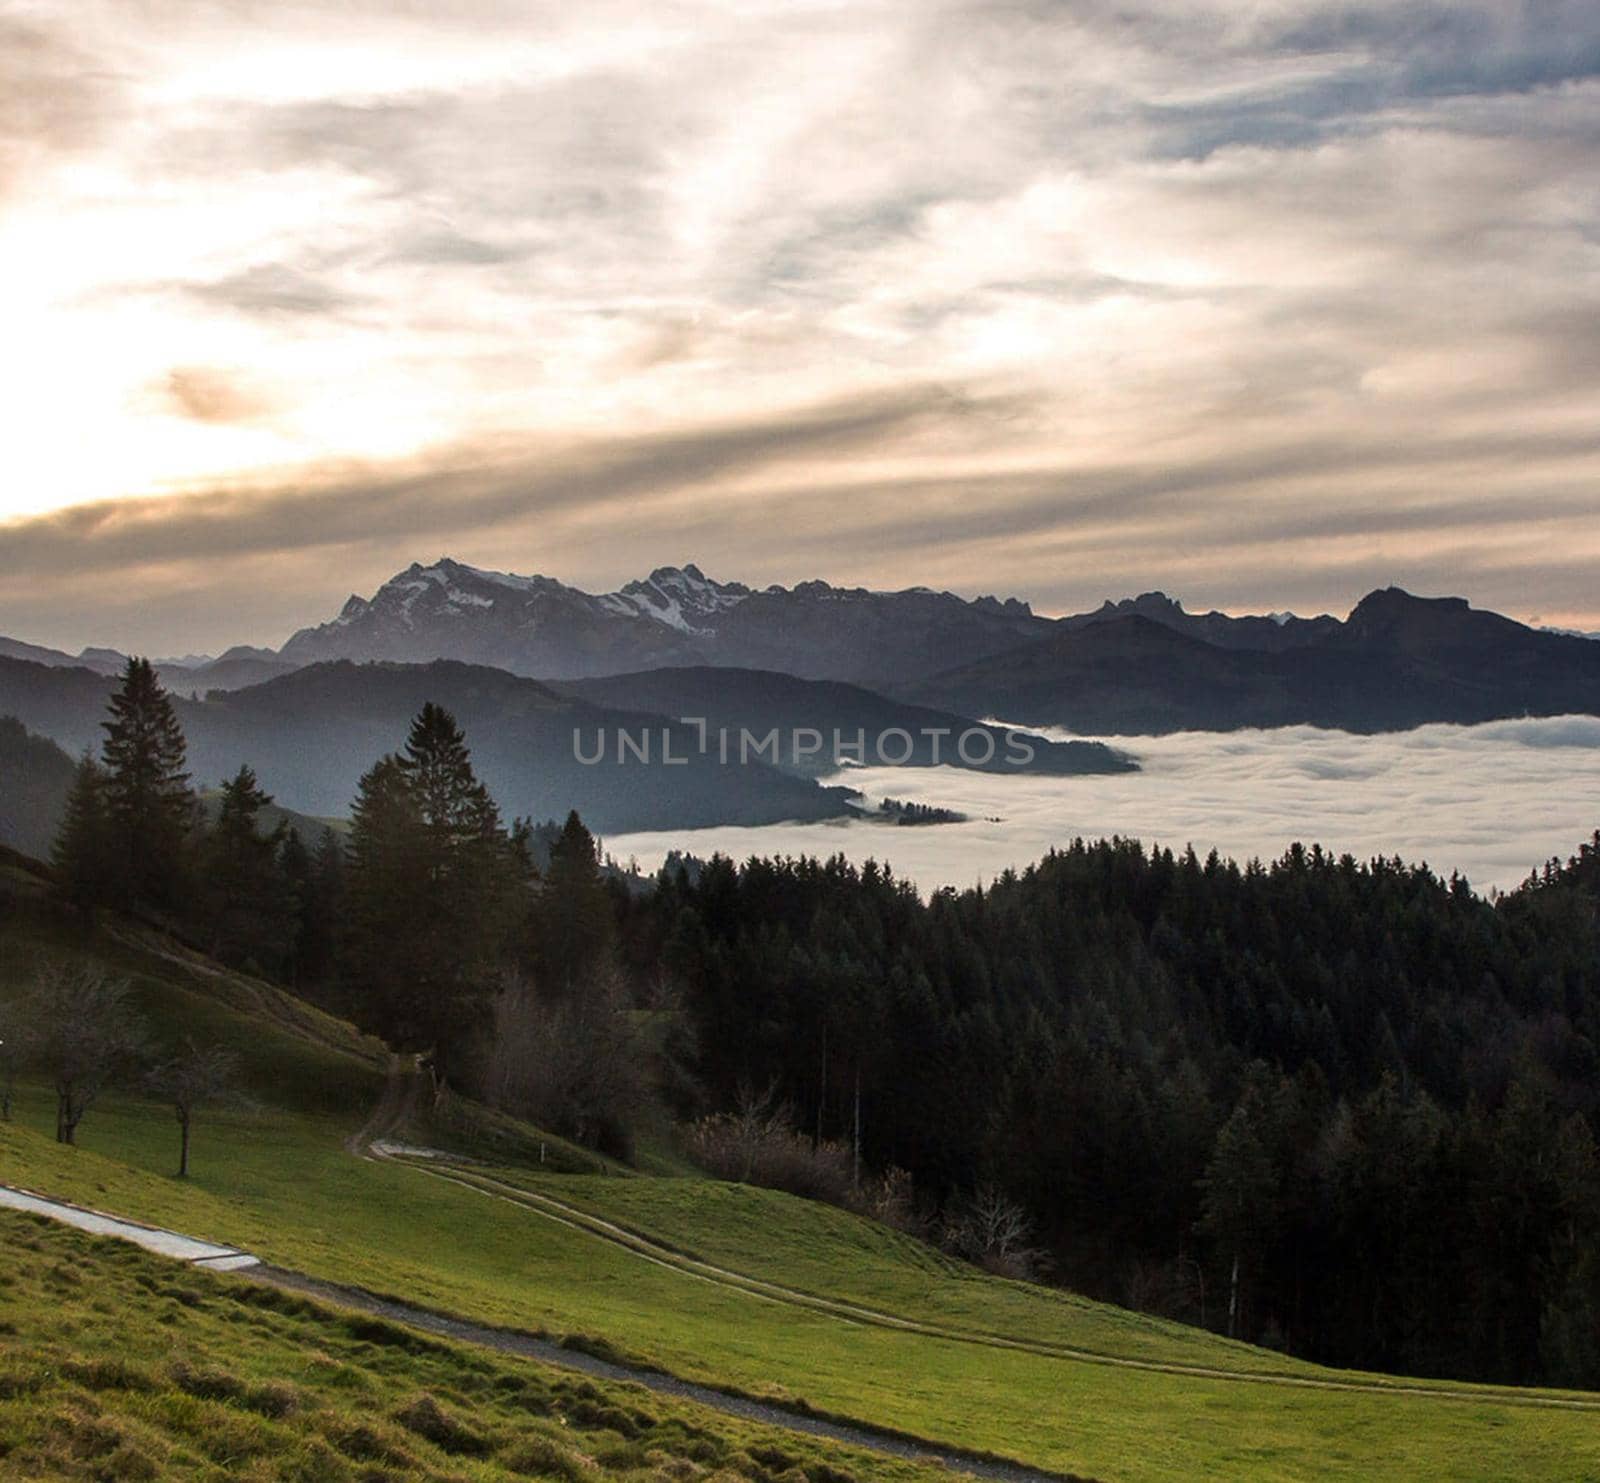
point(79, 1027)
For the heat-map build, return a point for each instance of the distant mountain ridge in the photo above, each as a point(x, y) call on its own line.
point(1272, 633)
point(1137, 665)
point(101, 661)
point(1396, 662)
point(193, 673)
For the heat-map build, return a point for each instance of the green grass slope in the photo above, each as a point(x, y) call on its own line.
point(120, 1366)
point(275, 1179)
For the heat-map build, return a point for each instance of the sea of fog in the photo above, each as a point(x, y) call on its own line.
point(1490, 801)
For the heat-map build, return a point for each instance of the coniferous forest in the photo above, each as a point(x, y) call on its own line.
point(1344, 1108)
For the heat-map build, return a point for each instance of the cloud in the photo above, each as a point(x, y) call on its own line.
point(1265, 304)
point(273, 289)
point(1492, 802)
point(55, 97)
point(209, 394)
point(458, 496)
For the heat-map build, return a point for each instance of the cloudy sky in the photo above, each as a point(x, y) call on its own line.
point(1262, 303)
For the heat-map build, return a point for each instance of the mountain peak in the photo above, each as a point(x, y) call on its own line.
point(1155, 605)
point(1386, 606)
point(1011, 607)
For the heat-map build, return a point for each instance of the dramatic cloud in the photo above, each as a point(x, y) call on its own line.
point(1491, 802)
point(1263, 305)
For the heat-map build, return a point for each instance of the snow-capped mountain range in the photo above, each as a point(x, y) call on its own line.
point(676, 616)
point(975, 657)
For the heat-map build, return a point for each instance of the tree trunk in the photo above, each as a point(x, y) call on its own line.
point(1233, 1296)
point(855, 1177)
point(183, 1145)
point(822, 1093)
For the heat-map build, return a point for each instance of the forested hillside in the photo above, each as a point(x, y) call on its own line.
point(35, 775)
point(1352, 1102)
point(1347, 1109)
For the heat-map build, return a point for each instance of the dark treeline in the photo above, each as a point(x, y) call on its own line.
point(488, 948)
point(1347, 1109)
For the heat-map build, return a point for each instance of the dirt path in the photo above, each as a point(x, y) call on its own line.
point(267, 1000)
point(511, 1341)
point(658, 1254)
point(395, 1107)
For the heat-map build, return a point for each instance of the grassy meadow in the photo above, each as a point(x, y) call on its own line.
point(121, 1366)
point(274, 1178)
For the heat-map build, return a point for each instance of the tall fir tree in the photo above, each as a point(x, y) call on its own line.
point(323, 911)
point(246, 896)
point(433, 886)
point(573, 925)
point(82, 853)
point(149, 806)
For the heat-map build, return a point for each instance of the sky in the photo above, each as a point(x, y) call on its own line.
point(1263, 304)
point(1492, 802)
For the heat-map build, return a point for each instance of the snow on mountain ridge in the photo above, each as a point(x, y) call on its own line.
point(675, 616)
point(680, 598)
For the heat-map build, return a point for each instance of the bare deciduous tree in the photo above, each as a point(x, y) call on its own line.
point(574, 1064)
point(10, 1048)
point(78, 1025)
point(994, 1231)
point(757, 1117)
point(195, 1077)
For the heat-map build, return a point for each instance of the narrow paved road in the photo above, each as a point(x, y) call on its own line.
point(152, 1238)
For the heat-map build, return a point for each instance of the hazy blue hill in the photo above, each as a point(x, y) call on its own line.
point(35, 777)
point(311, 733)
point(758, 700)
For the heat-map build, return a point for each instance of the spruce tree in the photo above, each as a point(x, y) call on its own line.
point(246, 896)
point(387, 899)
point(148, 803)
point(322, 911)
point(82, 853)
point(434, 885)
point(574, 927)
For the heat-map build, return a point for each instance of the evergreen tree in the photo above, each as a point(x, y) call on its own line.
point(323, 910)
point(574, 927)
point(1239, 1187)
point(388, 899)
point(295, 871)
point(82, 853)
point(148, 802)
point(246, 896)
point(434, 889)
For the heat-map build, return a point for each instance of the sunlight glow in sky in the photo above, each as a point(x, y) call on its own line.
point(1264, 305)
